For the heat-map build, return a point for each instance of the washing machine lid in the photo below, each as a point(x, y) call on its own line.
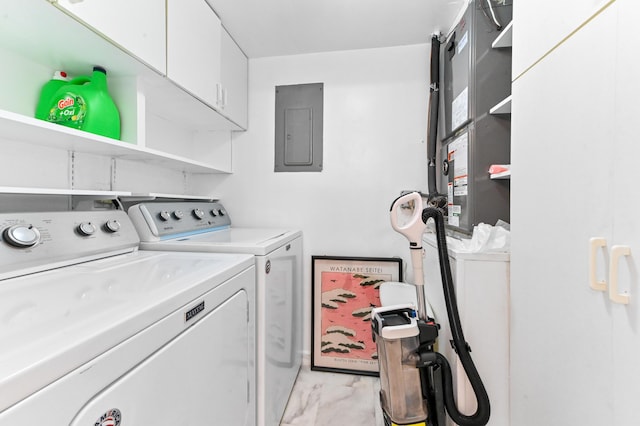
point(256, 241)
point(53, 322)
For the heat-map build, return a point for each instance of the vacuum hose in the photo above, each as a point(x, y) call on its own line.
point(434, 92)
point(435, 199)
point(481, 416)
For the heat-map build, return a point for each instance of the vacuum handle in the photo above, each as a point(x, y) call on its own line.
point(414, 227)
point(413, 230)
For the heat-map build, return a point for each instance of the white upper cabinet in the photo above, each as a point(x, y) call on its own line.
point(182, 39)
point(194, 37)
point(40, 37)
point(234, 77)
point(135, 26)
point(594, 338)
point(162, 97)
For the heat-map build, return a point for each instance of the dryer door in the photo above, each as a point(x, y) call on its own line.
point(199, 378)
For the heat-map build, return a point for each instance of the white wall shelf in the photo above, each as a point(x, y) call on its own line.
point(24, 129)
point(503, 107)
point(502, 175)
point(61, 191)
point(505, 39)
point(157, 195)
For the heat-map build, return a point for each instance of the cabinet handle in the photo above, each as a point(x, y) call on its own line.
point(219, 95)
point(594, 244)
point(616, 253)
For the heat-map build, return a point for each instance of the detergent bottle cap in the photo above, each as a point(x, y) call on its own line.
point(60, 75)
point(101, 69)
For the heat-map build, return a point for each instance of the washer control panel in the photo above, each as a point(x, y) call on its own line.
point(163, 219)
point(32, 241)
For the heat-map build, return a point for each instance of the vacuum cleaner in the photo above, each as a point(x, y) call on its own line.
point(416, 386)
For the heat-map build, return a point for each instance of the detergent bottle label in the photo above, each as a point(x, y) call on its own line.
point(69, 110)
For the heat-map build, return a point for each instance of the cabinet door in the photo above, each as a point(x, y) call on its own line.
point(562, 131)
point(136, 26)
point(193, 48)
point(481, 284)
point(624, 211)
point(234, 74)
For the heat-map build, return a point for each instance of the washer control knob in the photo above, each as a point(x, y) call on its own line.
point(164, 215)
point(22, 236)
point(112, 226)
point(198, 214)
point(214, 213)
point(221, 212)
point(86, 228)
point(178, 214)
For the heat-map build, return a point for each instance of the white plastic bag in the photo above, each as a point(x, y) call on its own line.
point(486, 239)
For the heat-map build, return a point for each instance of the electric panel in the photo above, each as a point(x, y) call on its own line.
point(298, 128)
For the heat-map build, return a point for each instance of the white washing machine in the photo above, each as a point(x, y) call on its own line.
point(206, 227)
point(95, 332)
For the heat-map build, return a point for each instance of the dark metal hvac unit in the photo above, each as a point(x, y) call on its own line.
point(475, 77)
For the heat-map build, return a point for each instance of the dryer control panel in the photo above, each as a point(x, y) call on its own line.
point(157, 220)
point(33, 242)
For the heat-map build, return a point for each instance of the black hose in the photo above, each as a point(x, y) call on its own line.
point(434, 100)
point(434, 198)
point(483, 412)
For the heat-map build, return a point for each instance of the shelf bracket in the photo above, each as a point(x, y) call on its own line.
point(112, 178)
point(72, 169)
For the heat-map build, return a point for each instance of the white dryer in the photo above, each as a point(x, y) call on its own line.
point(95, 332)
point(206, 227)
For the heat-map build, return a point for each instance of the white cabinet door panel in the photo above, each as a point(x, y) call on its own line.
point(193, 48)
point(136, 26)
point(234, 76)
point(624, 210)
point(562, 129)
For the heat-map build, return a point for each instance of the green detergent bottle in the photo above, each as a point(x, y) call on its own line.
point(85, 104)
point(49, 89)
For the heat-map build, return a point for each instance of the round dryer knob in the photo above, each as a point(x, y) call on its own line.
point(221, 212)
point(112, 226)
point(178, 214)
point(22, 236)
point(86, 228)
point(198, 214)
point(164, 215)
point(214, 213)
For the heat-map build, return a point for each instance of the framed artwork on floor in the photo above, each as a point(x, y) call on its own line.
point(345, 289)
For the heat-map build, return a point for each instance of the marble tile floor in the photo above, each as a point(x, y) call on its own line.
point(325, 399)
